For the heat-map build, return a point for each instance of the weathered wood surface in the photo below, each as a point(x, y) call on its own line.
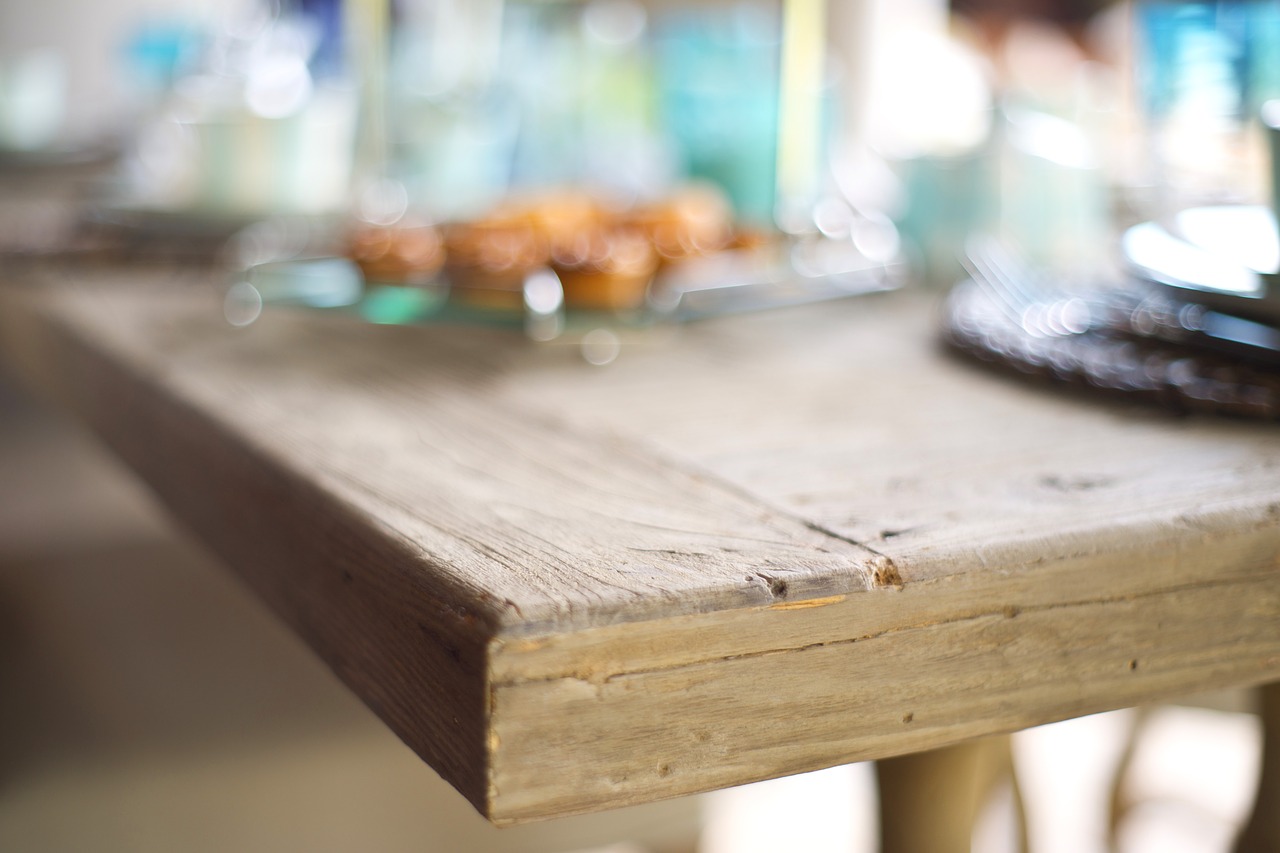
point(758, 546)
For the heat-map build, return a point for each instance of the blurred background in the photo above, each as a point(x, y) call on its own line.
point(1044, 122)
point(147, 703)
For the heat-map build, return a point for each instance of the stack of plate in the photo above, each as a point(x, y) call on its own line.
point(1195, 326)
point(1213, 274)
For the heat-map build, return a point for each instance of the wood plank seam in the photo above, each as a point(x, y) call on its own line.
point(1006, 612)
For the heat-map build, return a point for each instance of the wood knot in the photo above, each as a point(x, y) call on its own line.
point(886, 575)
point(777, 586)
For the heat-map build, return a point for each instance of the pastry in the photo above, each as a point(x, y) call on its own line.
point(696, 220)
point(487, 260)
point(399, 254)
point(606, 269)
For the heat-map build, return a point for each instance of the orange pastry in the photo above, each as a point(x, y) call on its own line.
point(397, 254)
point(488, 260)
point(696, 220)
point(605, 269)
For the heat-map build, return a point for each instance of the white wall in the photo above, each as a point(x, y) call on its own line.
point(90, 35)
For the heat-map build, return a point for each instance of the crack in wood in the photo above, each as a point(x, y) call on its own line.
point(882, 574)
point(597, 682)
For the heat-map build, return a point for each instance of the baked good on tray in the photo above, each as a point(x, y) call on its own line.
point(488, 259)
point(695, 220)
point(605, 257)
point(397, 254)
point(605, 268)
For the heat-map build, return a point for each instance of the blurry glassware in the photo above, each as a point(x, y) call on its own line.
point(451, 123)
point(160, 52)
point(543, 69)
point(1204, 68)
point(443, 47)
point(932, 97)
point(492, 96)
point(624, 150)
point(313, 282)
point(221, 155)
point(325, 16)
point(1270, 116)
point(33, 96)
point(369, 27)
point(578, 93)
point(719, 77)
point(940, 146)
point(254, 133)
point(799, 170)
point(945, 199)
point(456, 153)
point(1053, 196)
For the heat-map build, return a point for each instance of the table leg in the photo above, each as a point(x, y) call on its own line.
point(1120, 801)
point(929, 801)
point(1262, 832)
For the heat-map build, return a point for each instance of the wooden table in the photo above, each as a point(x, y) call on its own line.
point(750, 547)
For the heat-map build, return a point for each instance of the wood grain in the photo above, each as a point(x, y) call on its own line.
point(760, 546)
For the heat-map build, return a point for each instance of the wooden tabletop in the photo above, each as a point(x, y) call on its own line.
point(749, 547)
